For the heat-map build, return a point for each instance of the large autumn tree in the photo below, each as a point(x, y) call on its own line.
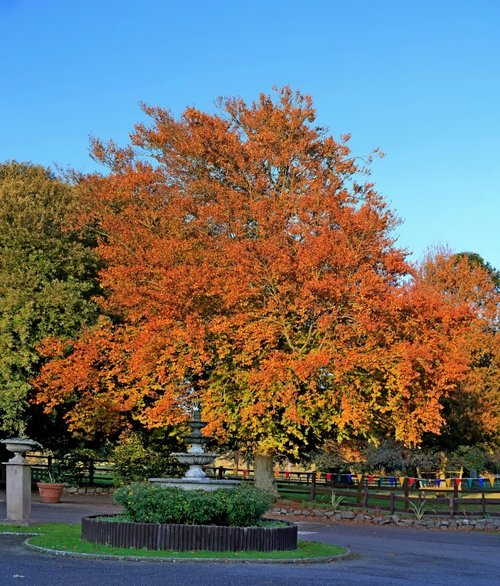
point(250, 266)
point(47, 279)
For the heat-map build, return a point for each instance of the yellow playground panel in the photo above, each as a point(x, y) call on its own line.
point(440, 480)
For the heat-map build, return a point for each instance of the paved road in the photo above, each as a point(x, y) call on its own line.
point(384, 555)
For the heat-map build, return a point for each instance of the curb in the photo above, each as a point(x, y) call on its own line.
point(173, 560)
point(34, 534)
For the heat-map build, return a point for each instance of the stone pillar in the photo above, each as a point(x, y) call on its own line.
point(18, 491)
point(18, 479)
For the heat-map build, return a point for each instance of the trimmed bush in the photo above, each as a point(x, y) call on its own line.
point(246, 505)
point(149, 503)
point(146, 503)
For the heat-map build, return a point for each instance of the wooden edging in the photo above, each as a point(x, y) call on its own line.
point(157, 536)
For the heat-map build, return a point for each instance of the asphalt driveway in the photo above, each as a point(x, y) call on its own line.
point(382, 555)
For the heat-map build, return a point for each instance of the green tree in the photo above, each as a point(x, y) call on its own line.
point(476, 261)
point(47, 279)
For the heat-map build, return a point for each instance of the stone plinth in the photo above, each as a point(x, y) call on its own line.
point(18, 491)
point(18, 479)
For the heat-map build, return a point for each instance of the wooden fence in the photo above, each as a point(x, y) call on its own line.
point(394, 502)
point(385, 493)
point(89, 472)
point(388, 493)
point(491, 483)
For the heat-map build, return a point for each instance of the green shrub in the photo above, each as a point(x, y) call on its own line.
point(204, 508)
point(472, 458)
point(133, 461)
point(150, 503)
point(388, 456)
point(246, 505)
point(425, 459)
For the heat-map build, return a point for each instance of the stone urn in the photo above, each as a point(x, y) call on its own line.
point(19, 446)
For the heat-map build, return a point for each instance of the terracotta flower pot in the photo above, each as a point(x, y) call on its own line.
point(50, 492)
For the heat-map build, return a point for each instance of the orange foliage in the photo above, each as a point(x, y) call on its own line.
point(252, 268)
point(465, 281)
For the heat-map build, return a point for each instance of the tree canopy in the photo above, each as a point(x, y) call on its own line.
point(472, 414)
point(47, 279)
point(250, 265)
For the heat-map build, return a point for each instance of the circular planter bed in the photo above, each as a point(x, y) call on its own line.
point(188, 537)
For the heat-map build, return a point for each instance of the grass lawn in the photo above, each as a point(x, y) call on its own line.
point(67, 537)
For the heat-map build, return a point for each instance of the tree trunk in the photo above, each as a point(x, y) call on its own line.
point(264, 473)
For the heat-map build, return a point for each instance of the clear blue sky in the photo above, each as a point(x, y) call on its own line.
point(418, 78)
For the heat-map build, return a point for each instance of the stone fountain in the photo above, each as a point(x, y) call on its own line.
point(196, 457)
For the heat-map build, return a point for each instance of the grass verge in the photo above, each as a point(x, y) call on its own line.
point(67, 538)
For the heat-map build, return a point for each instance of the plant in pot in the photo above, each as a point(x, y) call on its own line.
point(51, 485)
